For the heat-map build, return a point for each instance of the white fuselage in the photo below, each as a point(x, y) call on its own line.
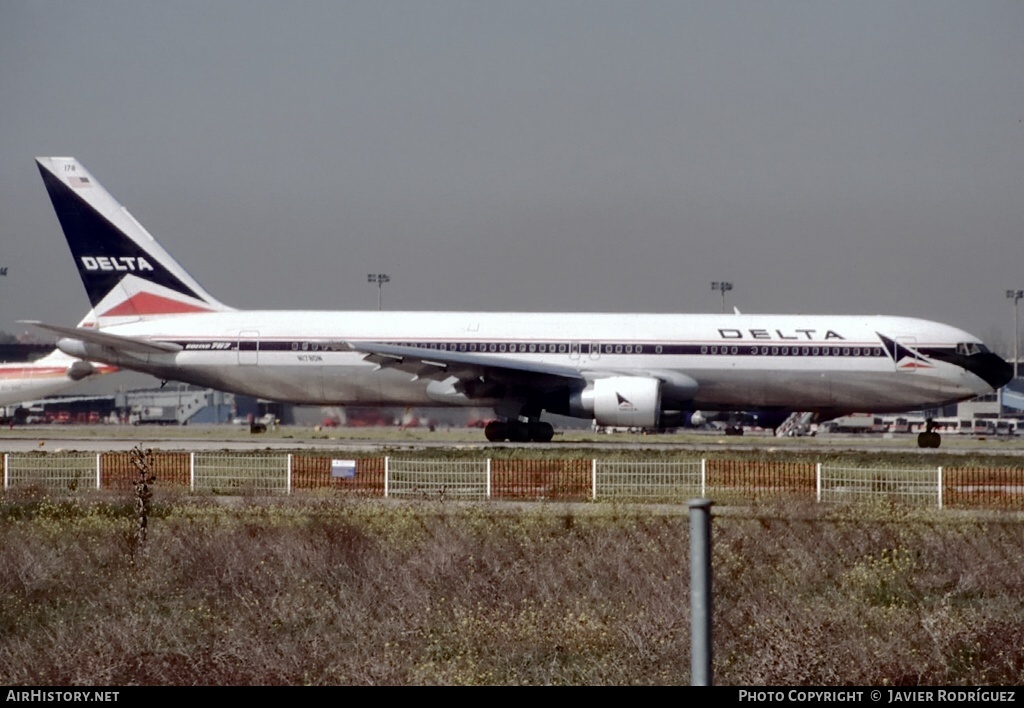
point(812, 362)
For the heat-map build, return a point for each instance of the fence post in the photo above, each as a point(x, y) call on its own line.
point(7, 466)
point(192, 471)
point(940, 487)
point(703, 476)
point(593, 479)
point(289, 485)
point(700, 592)
point(488, 478)
point(386, 476)
point(99, 470)
point(817, 483)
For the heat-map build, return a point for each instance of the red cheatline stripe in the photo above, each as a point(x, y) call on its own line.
point(22, 372)
point(36, 373)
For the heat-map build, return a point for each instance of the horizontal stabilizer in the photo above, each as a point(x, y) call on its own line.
point(114, 341)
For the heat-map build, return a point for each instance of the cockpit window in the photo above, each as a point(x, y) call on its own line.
point(970, 348)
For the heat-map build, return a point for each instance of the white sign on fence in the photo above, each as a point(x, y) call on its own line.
point(344, 469)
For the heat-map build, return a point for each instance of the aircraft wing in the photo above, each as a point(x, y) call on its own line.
point(466, 366)
point(114, 341)
point(478, 375)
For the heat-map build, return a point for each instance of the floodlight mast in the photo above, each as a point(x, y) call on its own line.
point(1015, 295)
point(379, 279)
point(723, 287)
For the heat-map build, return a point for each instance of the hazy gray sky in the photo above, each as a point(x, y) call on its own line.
point(847, 157)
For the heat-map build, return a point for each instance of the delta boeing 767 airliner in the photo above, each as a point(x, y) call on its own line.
point(638, 370)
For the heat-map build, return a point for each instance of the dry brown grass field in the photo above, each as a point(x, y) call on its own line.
point(320, 590)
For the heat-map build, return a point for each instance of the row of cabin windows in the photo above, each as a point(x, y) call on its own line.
point(794, 351)
point(563, 348)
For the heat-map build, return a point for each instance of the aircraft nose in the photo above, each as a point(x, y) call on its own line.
point(991, 368)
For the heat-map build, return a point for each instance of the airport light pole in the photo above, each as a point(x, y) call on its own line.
point(1015, 295)
point(3, 271)
point(380, 279)
point(723, 287)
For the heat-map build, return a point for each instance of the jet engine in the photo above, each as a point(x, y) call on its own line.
point(621, 401)
point(80, 370)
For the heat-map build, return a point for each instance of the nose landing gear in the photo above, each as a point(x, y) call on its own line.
point(929, 438)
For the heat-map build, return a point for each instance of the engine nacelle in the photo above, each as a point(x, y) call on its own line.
point(80, 370)
point(620, 401)
point(446, 392)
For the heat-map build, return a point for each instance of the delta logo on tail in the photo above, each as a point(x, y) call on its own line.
point(122, 267)
point(905, 358)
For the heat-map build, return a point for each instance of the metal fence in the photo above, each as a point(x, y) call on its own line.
point(748, 479)
point(229, 474)
point(442, 479)
point(172, 469)
point(566, 480)
point(65, 473)
point(912, 486)
point(649, 481)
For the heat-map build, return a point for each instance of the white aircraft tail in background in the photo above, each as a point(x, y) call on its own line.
point(621, 370)
point(53, 373)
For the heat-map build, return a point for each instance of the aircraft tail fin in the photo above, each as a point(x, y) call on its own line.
point(127, 275)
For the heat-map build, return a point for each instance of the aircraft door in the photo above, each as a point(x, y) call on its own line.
point(906, 358)
point(249, 347)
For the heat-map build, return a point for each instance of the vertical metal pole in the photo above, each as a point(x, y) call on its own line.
point(99, 469)
point(488, 478)
point(1016, 336)
point(593, 479)
point(192, 471)
point(700, 592)
point(386, 477)
point(940, 488)
point(817, 482)
point(289, 483)
point(703, 476)
point(1016, 296)
point(7, 468)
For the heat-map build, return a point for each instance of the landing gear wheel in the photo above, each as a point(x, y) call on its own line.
point(541, 432)
point(516, 431)
point(496, 431)
point(929, 438)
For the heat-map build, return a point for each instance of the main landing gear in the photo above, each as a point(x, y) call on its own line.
point(929, 438)
point(517, 431)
